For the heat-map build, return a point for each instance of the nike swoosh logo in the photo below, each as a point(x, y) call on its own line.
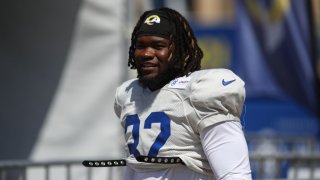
point(225, 83)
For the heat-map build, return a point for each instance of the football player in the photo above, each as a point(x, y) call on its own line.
point(180, 122)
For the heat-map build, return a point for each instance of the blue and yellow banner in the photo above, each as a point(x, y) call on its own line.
point(274, 53)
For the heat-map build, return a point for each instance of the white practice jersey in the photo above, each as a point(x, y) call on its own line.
point(167, 122)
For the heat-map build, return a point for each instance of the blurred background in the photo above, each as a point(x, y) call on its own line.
point(61, 61)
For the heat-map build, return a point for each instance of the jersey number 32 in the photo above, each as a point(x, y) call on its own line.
point(155, 117)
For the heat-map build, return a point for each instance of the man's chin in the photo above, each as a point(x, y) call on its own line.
point(157, 81)
point(147, 81)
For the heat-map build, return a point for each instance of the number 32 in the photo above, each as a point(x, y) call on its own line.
point(154, 117)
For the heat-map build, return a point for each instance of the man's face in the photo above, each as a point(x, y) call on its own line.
point(152, 59)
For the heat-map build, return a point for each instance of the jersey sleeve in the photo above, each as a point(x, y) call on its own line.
point(226, 149)
point(216, 96)
point(117, 106)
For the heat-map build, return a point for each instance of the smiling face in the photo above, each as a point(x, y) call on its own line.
point(152, 59)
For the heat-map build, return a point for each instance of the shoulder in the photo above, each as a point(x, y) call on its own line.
point(215, 80)
point(122, 93)
point(217, 93)
point(129, 84)
point(125, 89)
point(215, 75)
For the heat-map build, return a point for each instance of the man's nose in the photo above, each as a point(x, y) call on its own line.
point(148, 52)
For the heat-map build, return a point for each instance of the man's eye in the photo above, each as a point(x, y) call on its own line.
point(140, 46)
point(160, 46)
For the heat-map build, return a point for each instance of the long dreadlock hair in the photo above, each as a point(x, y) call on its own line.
point(187, 54)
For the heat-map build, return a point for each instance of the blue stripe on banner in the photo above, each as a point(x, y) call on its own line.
point(274, 53)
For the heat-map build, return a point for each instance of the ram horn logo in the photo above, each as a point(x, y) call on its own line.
point(152, 19)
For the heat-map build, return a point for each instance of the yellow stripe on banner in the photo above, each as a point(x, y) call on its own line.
point(274, 13)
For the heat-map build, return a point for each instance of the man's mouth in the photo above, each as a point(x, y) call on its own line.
point(147, 65)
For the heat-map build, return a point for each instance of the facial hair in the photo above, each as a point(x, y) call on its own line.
point(159, 81)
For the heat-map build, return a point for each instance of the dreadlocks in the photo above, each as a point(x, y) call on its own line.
point(187, 55)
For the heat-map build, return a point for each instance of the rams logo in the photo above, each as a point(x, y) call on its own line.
point(152, 19)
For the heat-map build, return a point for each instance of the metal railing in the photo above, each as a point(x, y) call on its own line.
point(272, 166)
point(21, 170)
point(284, 157)
point(285, 166)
